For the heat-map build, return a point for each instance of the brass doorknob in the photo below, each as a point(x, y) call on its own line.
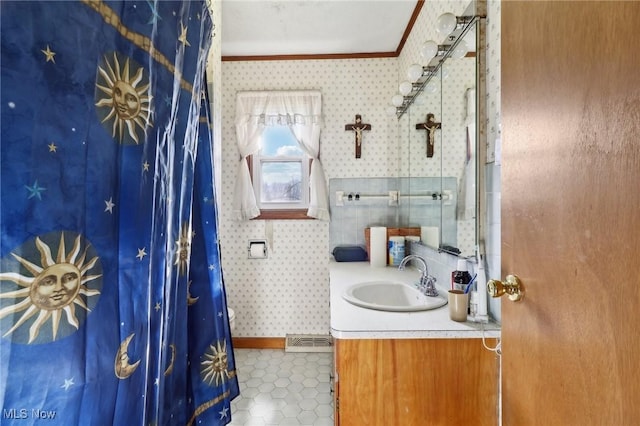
point(512, 287)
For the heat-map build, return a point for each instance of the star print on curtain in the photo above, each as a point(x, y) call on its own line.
point(112, 302)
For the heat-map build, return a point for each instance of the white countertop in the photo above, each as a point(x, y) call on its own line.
point(353, 322)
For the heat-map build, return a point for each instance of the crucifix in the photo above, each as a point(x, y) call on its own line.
point(358, 127)
point(430, 126)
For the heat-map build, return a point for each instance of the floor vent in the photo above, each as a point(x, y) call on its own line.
point(308, 343)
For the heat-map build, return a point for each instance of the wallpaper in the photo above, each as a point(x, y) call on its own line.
point(288, 292)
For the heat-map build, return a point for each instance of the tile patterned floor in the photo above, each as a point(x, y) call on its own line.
point(282, 388)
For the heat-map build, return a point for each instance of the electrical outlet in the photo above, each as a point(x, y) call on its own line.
point(393, 198)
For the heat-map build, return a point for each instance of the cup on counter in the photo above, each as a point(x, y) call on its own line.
point(458, 304)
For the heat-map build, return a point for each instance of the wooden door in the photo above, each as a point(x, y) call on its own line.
point(571, 212)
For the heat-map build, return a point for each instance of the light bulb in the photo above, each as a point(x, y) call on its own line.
point(432, 86)
point(405, 88)
point(391, 110)
point(460, 50)
point(444, 72)
point(446, 23)
point(429, 49)
point(414, 72)
point(397, 100)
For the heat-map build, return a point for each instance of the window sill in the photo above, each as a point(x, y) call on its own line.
point(300, 214)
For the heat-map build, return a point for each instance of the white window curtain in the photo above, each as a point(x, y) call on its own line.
point(302, 112)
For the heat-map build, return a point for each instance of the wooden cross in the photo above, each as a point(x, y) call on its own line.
point(358, 127)
point(430, 126)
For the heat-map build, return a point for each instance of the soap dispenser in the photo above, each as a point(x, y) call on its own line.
point(460, 278)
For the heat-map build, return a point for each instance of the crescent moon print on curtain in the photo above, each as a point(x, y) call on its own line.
point(112, 303)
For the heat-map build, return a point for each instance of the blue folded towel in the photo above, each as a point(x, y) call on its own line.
point(350, 254)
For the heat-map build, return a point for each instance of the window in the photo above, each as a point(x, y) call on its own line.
point(280, 176)
point(280, 173)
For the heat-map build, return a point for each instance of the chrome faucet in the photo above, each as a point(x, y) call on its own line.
point(427, 283)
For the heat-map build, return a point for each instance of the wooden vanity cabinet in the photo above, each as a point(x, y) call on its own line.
point(415, 382)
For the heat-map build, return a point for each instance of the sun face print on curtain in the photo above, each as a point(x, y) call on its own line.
point(57, 291)
point(112, 305)
point(122, 98)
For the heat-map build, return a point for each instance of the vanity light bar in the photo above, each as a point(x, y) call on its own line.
point(462, 27)
point(429, 71)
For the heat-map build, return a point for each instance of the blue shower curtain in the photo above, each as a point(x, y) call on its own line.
point(112, 303)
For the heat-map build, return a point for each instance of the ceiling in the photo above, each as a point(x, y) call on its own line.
point(260, 29)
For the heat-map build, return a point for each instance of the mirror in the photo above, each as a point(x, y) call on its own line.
point(459, 149)
point(425, 172)
point(450, 203)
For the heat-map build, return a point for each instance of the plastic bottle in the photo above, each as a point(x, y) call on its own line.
point(460, 277)
point(396, 250)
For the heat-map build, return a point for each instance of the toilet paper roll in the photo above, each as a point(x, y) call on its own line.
point(378, 246)
point(257, 250)
point(430, 236)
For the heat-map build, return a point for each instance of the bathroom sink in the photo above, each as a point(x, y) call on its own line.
point(391, 296)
